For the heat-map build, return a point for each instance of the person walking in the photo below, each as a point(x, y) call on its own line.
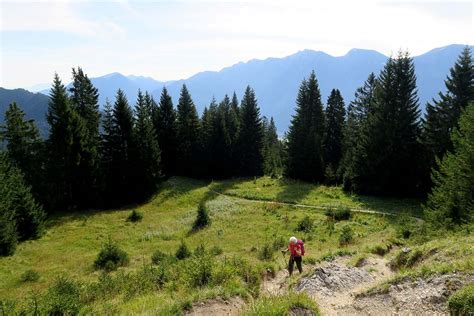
point(296, 249)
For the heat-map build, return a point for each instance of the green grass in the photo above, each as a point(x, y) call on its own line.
point(239, 228)
point(281, 305)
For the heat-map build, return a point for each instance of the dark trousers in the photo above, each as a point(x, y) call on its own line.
point(291, 264)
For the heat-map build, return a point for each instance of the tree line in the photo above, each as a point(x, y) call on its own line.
point(378, 145)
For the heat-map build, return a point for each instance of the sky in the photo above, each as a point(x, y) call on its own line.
point(169, 40)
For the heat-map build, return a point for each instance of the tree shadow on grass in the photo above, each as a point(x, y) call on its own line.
point(294, 191)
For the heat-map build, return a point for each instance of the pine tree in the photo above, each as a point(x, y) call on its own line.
point(442, 115)
point(16, 198)
point(335, 116)
point(452, 199)
point(84, 100)
point(164, 120)
point(233, 126)
point(63, 148)
point(250, 144)
point(188, 134)
point(147, 160)
point(272, 150)
point(24, 146)
point(306, 134)
point(358, 112)
point(388, 158)
point(119, 152)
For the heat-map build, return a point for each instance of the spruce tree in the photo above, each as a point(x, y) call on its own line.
point(84, 100)
point(147, 160)
point(233, 126)
point(24, 146)
point(452, 199)
point(333, 145)
point(250, 144)
point(389, 154)
point(63, 149)
point(442, 115)
point(188, 133)
point(272, 150)
point(357, 114)
point(107, 151)
point(305, 159)
point(16, 200)
point(164, 120)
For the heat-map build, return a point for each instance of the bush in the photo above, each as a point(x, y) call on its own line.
point(346, 236)
point(63, 298)
point(200, 250)
point(202, 219)
point(30, 276)
point(216, 250)
point(380, 249)
point(158, 257)
point(462, 301)
point(183, 251)
point(406, 258)
point(305, 225)
point(111, 257)
point(135, 216)
point(199, 271)
point(338, 214)
point(265, 253)
point(279, 243)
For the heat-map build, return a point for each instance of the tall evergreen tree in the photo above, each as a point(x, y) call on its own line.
point(63, 148)
point(335, 116)
point(16, 197)
point(147, 159)
point(84, 100)
point(119, 152)
point(306, 134)
point(233, 126)
point(188, 133)
point(164, 120)
point(107, 151)
point(358, 112)
point(24, 146)
point(452, 199)
point(387, 161)
point(250, 144)
point(442, 115)
point(272, 149)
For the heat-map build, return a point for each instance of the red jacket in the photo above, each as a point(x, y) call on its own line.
point(295, 249)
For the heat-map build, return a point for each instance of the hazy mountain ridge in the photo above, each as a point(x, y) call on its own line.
point(276, 80)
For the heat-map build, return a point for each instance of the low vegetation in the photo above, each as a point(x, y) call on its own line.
point(462, 301)
point(292, 303)
point(225, 259)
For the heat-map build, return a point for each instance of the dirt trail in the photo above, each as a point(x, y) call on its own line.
point(318, 207)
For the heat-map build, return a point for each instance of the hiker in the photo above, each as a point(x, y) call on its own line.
point(296, 249)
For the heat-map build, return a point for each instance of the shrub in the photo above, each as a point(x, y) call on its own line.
point(346, 236)
point(183, 251)
point(30, 276)
point(380, 249)
point(202, 218)
point(406, 258)
point(63, 297)
point(199, 271)
point(462, 301)
point(216, 250)
point(338, 214)
point(266, 252)
point(305, 225)
point(135, 216)
point(158, 257)
point(278, 243)
point(200, 250)
point(111, 257)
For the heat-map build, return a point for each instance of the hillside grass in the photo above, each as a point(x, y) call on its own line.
point(241, 228)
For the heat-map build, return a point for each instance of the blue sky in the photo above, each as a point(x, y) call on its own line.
point(175, 39)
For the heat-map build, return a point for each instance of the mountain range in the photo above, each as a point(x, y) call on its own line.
point(275, 80)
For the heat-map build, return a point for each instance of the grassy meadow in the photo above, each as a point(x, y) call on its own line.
point(244, 234)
